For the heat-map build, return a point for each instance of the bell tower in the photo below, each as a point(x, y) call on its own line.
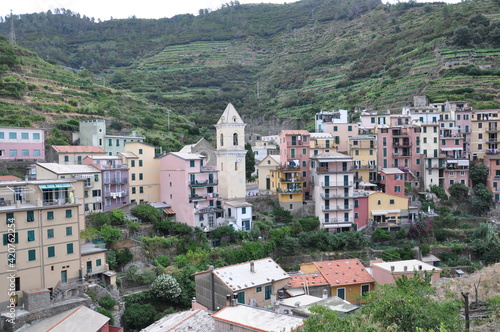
point(230, 132)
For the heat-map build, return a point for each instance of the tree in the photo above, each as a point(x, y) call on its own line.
point(165, 287)
point(478, 174)
point(381, 235)
point(138, 315)
point(407, 305)
point(249, 161)
point(324, 319)
point(463, 36)
point(109, 234)
point(98, 219)
point(458, 191)
point(116, 217)
point(146, 213)
point(439, 191)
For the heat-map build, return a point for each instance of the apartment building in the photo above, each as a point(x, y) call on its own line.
point(92, 192)
point(323, 118)
point(295, 152)
point(484, 135)
point(431, 164)
point(388, 211)
point(322, 142)
point(363, 150)
point(22, 144)
point(191, 189)
point(287, 182)
point(40, 246)
point(144, 172)
point(115, 184)
point(263, 169)
point(333, 178)
point(492, 161)
point(72, 154)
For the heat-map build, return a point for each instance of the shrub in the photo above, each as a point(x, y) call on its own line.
point(105, 312)
point(138, 315)
point(162, 261)
point(146, 213)
point(107, 302)
point(381, 235)
point(165, 287)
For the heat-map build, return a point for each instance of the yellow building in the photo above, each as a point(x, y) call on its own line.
point(270, 162)
point(485, 137)
point(363, 150)
point(144, 172)
point(387, 210)
point(322, 142)
point(286, 181)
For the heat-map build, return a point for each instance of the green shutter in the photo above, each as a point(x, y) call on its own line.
point(31, 236)
point(51, 251)
point(68, 213)
point(30, 216)
point(69, 248)
point(69, 231)
point(32, 255)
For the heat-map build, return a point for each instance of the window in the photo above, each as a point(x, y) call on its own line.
point(36, 153)
point(235, 139)
point(391, 201)
point(335, 128)
point(304, 163)
point(133, 190)
point(2, 135)
point(356, 215)
point(365, 289)
point(141, 177)
point(69, 248)
point(69, 213)
point(50, 233)
point(10, 238)
point(132, 163)
point(191, 163)
point(51, 251)
point(241, 297)
point(480, 125)
point(50, 215)
point(117, 142)
point(379, 202)
point(31, 236)
point(96, 193)
point(30, 216)
point(349, 128)
point(31, 255)
point(221, 140)
point(140, 151)
point(96, 177)
point(13, 135)
point(259, 289)
point(36, 135)
point(356, 203)
point(98, 262)
point(243, 210)
point(397, 189)
point(304, 152)
point(25, 153)
point(13, 153)
point(133, 176)
point(110, 142)
point(69, 231)
point(267, 294)
point(141, 190)
point(140, 163)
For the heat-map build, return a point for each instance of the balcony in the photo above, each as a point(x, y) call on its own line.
point(399, 133)
point(209, 169)
point(208, 209)
point(339, 184)
point(356, 167)
point(327, 208)
point(492, 151)
point(401, 154)
point(337, 220)
point(493, 140)
point(334, 170)
point(289, 191)
point(343, 195)
point(60, 201)
point(115, 194)
point(195, 198)
point(492, 129)
point(111, 166)
point(290, 180)
point(402, 144)
point(206, 183)
point(116, 181)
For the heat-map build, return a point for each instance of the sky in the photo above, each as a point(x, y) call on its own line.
point(105, 9)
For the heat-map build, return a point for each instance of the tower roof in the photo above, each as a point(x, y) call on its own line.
point(230, 115)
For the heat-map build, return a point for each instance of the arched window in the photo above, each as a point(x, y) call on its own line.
point(221, 140)
point(235, 139)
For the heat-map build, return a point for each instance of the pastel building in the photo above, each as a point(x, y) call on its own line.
point(286, 181)
point(388, 272)
point(492, 161)
point(263, 168)
point(22, 143)
point(361, 210)
point(93, 133)
point(371, 120)
point(332, 175)
point(321, 143)
point(144, 172)
point(484, 133)
point(392, 181)
point(238, 214)
point(323, 118)
point(89, 174)
point(387, 211)
point(294, 152)
point(342, 132)
point(72, 154)
point(363, 150)
point(431, 164)
point(115, 184)
point(191, 189)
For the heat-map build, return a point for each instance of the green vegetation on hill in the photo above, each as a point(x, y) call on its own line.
point(281, 61)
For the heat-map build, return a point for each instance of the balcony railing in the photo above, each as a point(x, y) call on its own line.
point(208, 209)
point(292, 180)
point(402, 144)
point(198, 183)
point(343, 195)
point(355, 167)
point(60, 201)
point(336, 184)
point(401, 154)
point(289, 191)
point(333, 170)
point(336, 208)
point(115, 194)
point(116, 181)
point(337, 220)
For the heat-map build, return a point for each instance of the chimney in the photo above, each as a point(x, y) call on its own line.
point(420, 267)
point(252, 267)
point(405, 268)
point(392, 268)
point(228, 300)
point(235, 300)
point(325, 294)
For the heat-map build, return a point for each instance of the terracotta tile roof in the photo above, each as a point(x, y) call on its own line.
point(78, 149)
point(9, 178)
point(312, 279)
point(344, 272)
point(294, 132)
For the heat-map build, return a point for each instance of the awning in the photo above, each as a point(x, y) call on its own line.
point(336, 225)
point(452, 148)
point(54, 186)
point(168, 211)
point(379, 213)
point(452, 161)
point(367, 184)
point(463, 163)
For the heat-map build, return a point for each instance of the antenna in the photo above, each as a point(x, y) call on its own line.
point(12, 33)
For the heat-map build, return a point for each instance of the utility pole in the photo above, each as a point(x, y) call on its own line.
point(258, 90)
point(12, 33)
point(168, 119)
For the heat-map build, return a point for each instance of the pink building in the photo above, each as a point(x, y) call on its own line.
point(341, 132)
point(115, 186)
point(361, 211)
point(392, 181)
point(492, 161)
point(22, 143)
point(387, 272)
point(294, 151)
point(191, 189)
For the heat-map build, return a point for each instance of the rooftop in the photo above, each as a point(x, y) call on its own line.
point(334, 303)
point(78, 149)
point(300, 300)
point(237, 204)
point(69, 169)
point(90, 248)
point(410, 265)
point(258, 319)
point(191, 320)
point(391, 171)
point(344, 272)
point(306, 279)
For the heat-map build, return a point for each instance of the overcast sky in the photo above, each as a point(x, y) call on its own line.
point(105, 9)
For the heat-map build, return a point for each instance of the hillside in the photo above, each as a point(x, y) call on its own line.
point(282, 63)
